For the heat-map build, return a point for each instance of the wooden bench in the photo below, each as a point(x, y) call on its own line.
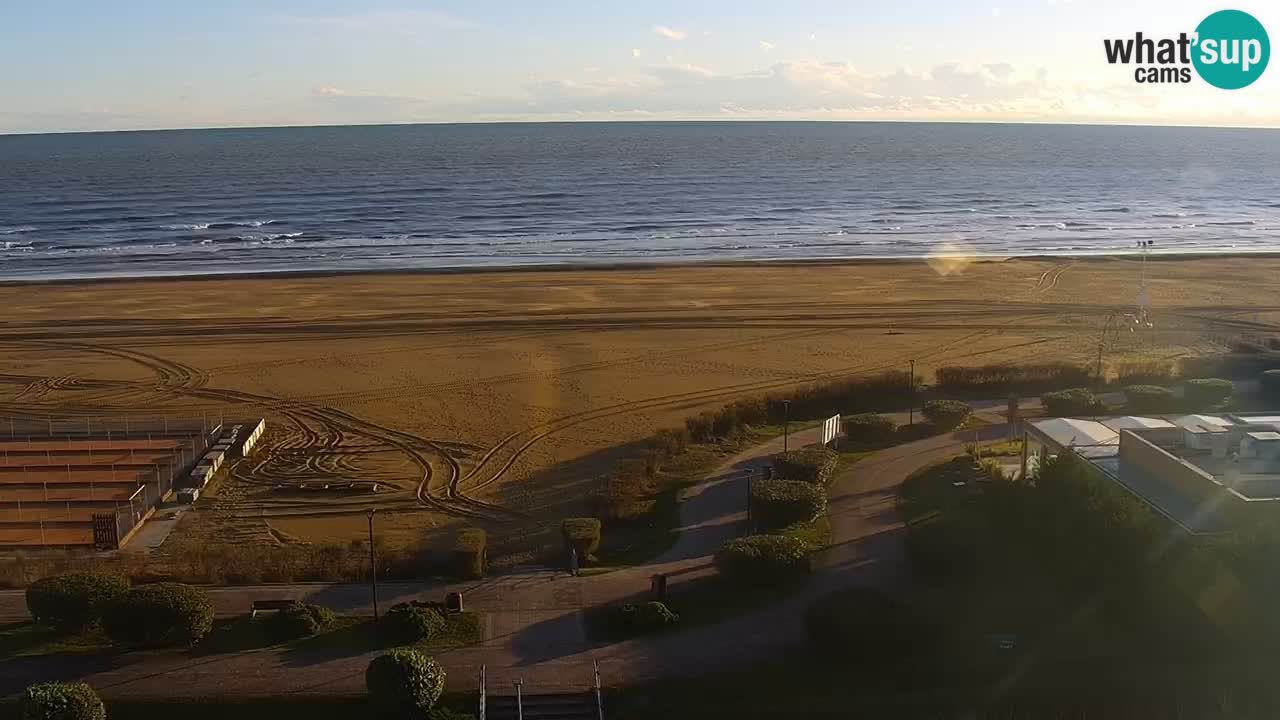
point(265, 605)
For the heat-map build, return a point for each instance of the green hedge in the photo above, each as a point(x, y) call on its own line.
point(1076, 401)
point(1145, 372)
point(404, 683)
point(1229, 365)
point(947, 414)
point(1206, 393)
point(1004, 378)
point(409, 623)
point(470, 554)
point(1150, 399)
point(75, 602)
point(812, 464)
point(868, 428)
point(583, 535)
point(61, 701)
point(160, 615)
point(299, 620)
point(864, 625)
point(763, 559)
point(775, 504)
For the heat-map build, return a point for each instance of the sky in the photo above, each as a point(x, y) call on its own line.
point(70, 65)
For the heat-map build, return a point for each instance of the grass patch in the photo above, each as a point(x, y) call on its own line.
point(25, 639)
point(362, 635)
point(1006, 448)
point(244, 633)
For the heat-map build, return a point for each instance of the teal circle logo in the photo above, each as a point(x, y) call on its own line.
point(1232, 49)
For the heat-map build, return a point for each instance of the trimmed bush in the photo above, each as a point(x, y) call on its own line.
point(299, 620)
point(1206, 393)
point(763, 559)
point(470, 556)
point(61, 701)
point(869, 428)
point(1076, 401)
point(1149, 399)
point(812, 464)
point(775, 504)
point(583, 535)
point(1270, 384)
point(75, 602)
point(404, 683)
point(409, 623)
point(864, 625)
point(947, 414)
point(160, 615)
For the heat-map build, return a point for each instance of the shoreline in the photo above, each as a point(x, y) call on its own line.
point(625, 266)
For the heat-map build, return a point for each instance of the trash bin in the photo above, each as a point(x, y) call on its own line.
point(453, 602)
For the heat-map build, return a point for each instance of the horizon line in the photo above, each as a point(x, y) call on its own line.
point(1079, 123)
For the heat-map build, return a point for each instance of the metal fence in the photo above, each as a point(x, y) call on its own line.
point(154, 481)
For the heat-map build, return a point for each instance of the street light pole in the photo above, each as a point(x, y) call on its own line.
point(786, 423)
point(373, 567)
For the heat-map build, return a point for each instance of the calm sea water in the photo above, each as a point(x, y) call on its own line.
point(213, 201)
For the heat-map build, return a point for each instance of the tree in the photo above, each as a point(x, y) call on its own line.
point(404, 683)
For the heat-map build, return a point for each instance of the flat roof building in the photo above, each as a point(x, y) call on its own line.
point(1207, 473)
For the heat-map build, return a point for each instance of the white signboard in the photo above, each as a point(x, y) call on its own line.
point(830, 429)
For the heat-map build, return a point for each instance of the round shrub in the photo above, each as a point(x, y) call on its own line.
point(1206, 393)
point(1076, 401)
point(864, 625)
point(75, 602)
point(775, 504)
point(582, 534)
point(763, 558)
point(409, 623)
point(404, 683)
point(1149, 399)
point(812, 464)
point(299, 620)
point(160, 615)
point(471, 554)
point(946, 414)
point(1270, 382)
point(869, 428)
point(61, 701)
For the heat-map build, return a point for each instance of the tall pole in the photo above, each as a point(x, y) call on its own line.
point(911, 402)
point(373, 568)
point(786, 423)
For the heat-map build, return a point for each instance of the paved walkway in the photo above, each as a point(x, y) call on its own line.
point(535, 629)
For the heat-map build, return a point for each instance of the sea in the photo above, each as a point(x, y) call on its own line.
point(410, 197)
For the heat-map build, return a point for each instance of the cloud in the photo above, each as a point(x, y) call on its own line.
point(670, 33)
point(766, 46)
point(635, 52)
point(405, 22)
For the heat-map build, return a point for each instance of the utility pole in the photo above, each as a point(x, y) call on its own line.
point(786, 423)
point(373, 568)
point(911, 404)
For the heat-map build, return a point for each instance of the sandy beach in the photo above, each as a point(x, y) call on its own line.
point(491, 396)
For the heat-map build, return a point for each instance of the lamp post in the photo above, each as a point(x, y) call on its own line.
point(786, 423)
point(373, 567)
